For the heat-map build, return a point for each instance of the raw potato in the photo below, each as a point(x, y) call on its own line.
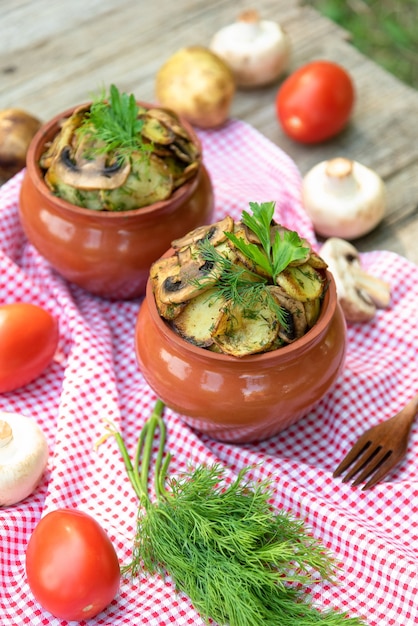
point(198, 85)
point(17, 129)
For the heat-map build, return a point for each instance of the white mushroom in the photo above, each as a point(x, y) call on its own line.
point(343, 198)
point(257, 51)
point(23, 457)
point(359, 293)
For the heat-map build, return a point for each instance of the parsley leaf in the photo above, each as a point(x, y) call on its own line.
point(251, 251)
point(285, 250)
point(274, 256)
point(260, 221)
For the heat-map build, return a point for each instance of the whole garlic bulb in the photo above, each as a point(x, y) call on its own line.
point(343, 198)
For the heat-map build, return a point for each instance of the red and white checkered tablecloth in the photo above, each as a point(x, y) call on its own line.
point(374, 534)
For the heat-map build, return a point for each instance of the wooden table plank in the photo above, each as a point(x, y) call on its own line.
point(47, 65)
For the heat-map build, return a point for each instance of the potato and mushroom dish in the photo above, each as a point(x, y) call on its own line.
point(240, 288)
point(116, 155)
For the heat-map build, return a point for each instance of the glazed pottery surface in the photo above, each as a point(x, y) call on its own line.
point(241, 399)
point(107, 253)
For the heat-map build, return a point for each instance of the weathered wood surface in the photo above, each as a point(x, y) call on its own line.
point(54, 55)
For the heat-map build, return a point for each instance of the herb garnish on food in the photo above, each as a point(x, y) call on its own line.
point(242, 287)
point(117, 155)
point(115, 124)
point(241, 562)
point(286, 246)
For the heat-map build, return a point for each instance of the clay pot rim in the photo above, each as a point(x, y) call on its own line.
point(45, 133)
point(327, 312)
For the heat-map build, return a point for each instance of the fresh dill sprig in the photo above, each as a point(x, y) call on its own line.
point(115, 124)
point(233, 282)
point(239, 561)
point(237, 284)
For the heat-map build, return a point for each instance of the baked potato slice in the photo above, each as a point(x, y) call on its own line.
point(312, 311)
point(302, 282)
point(239, 332)
point(215, 233)
point(317, 261)
point(196, 321)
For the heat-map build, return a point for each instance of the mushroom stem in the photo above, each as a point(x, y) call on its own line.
point(256, 50)
point(339, 177)
point(249, 26)
point(6, 433)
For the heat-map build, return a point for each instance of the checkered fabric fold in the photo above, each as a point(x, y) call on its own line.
point(373, 534)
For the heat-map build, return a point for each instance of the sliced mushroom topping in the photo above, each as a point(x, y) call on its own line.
point(184, 255)
point(188, 173)
point(215, 233)
point(183, 150)
point(294, 311)
point(156, 132)
point(168, 311)
point(162, 267)
point(87, 175)
point(190, 280)
point(63, 138)
point(169, 119)
point(359, 293)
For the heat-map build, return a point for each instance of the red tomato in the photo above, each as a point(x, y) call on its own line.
point(71, 565)
point(315, 102)
point(28, 341)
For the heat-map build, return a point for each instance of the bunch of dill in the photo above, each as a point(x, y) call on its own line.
point(239, 561)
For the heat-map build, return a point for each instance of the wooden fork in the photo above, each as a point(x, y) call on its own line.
point(379, 449)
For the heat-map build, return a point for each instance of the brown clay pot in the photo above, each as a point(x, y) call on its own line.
point(107, 253)
point(241, 399)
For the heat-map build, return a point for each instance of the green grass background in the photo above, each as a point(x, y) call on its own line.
point(384, 30)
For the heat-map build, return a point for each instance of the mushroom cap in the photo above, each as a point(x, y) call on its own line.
point(343, 198)
point(23, 458)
